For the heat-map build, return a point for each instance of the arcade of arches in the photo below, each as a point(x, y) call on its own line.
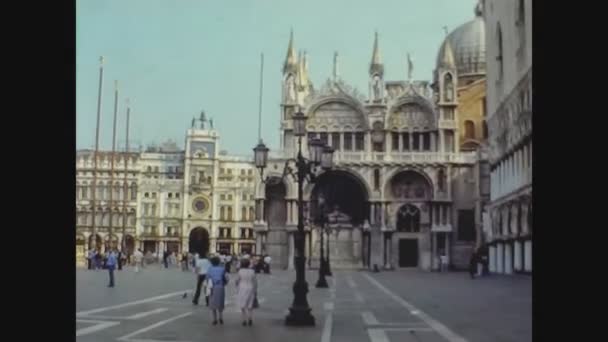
point(408, 227)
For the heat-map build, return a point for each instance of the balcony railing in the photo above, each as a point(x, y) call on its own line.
point(405, 157)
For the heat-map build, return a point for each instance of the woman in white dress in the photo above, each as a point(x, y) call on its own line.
point(247, 287)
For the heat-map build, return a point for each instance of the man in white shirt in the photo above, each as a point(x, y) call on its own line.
point(138, 256)
point(267, 260)
point(202, 265)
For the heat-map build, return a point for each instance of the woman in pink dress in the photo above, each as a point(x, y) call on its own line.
point(247, 287)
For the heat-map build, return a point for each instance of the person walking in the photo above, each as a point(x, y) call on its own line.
point(217, 275)
point(166, 259)
point(228, 263)
point(473, 264)
point(247, 287)
point(202, 266)
point(111, 265)
point(90, 259)
point(119, 257)
point(138, 256)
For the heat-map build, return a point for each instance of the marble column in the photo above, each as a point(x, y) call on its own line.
point(447, 248)
point(528, 256)
point(289, 213)
point(372, 213)
point(382, 213)
point(517, 267)
point(294, 212)
point(388, 142)
point(342, 141)
point(411, 140)
point(262, 218)
point(400, 141)
point(388, 240)
point(421, 142)
point(433, 141)
point(492, 261)
point(500, 258)
point(434, 260)
point(258, 243)
point(291, 251)
point(441, 141)
point(508, 258)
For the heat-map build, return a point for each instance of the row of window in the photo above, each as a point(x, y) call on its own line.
point(244, 172)
point(247, 213)
point(103, 219)
point(85, 192)
point(351, 141)
point(168, 231)
point(169, 169)
point(245, 233)
point(244, 197)
point(169, 195)
point(101, 174)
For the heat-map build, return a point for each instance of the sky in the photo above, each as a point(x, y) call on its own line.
point(175, 58)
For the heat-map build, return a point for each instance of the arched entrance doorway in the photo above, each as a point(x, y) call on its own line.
point(98, 244)
point(342, 199)
point(410, 192)
point(339, 191)
point(275, 214)
point(129, 244)
point(111, 242)
point(198, 241)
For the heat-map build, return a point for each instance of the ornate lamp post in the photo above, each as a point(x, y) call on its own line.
point(322, 282)
point(327, 262)
point(300, 169)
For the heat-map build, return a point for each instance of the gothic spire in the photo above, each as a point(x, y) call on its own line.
point(335, 70)
point(376, 65)
point(447, 60)
point(290, 60)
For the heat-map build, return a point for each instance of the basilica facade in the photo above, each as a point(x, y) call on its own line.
point(406, 178)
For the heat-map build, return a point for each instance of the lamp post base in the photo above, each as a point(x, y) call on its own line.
point(322, 282)
point(300, 316)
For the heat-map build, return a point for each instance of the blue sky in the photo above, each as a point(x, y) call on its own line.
point(174, 58)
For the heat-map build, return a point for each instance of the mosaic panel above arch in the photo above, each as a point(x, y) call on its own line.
point(336, 114)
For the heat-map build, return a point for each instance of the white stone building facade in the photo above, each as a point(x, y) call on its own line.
point(509, 102)
point(196, 199)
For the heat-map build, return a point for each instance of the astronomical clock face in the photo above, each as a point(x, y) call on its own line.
point(200, 204)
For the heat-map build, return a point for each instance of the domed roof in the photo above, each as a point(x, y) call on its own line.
point(468, 43)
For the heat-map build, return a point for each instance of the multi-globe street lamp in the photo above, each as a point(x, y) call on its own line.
point(300, 169)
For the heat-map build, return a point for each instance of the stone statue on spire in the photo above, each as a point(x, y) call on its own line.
point(193, 122)
point(203, 119)
point(211, 123)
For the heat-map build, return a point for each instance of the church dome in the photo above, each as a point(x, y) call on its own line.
point(468, 43)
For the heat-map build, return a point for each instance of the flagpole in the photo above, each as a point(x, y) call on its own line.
point(260, 99)
point(112, 187)
point(125, 216)
point(93, 242)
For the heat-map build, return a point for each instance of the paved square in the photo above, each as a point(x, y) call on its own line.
point(359, 306)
